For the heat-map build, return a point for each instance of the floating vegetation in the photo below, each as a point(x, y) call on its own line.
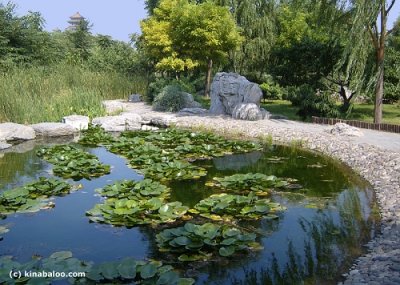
point(227, 207)
point(202, 242)
point(60, 264)
point(317, 165)
point(3, 230)
point(32, 197)
point(165, 154)
point(276, 159)
point(133, 212)
point(137, 190)
point(258, 183)
point(95, 136)
point(71, 162)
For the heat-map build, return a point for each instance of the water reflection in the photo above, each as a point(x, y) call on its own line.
point(313, 242)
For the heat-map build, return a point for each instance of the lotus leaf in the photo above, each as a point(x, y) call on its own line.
point(135, 210)
point(95, 136)
point(259, 183)
point(32, 196)
point(200, 242)
point(71, 162)
point(226, 206)
point(128, 270)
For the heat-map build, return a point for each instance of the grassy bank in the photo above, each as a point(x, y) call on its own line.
point(361, 112)
point(38, 94)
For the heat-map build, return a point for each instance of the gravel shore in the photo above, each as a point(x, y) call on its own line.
point(375, 156)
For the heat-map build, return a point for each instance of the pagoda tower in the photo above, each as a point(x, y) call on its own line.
point(74, 21)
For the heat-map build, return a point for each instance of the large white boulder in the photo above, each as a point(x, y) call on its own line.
point(120, 123)
point(76, 121)
point(15, 132)
point(53, 130)
point(113, 107)
point(229, 90)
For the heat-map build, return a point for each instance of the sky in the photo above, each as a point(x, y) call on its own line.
point(117, 18)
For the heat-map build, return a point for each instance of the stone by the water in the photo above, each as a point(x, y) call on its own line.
point(134, 98)
point(16, 132)
point(120, 123)
point(76, 121)
point(53, 130)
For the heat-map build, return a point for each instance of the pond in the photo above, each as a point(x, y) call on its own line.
point(325, 215)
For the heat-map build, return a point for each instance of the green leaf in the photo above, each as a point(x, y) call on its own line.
point(227, 251)
point(148, 271)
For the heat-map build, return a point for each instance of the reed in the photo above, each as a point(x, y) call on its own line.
point(38, 94)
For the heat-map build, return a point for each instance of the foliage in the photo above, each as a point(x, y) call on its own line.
point(311, 103)
point(117, 272)
point(129, 189)
point(80, 38)
point(243, 184)
point(180, 35)
point(40, 94)
point(136, 211)
point(71, 162)
point(185, 84)
point(32, 196)
point(201, 242)
point(170, 99)
point(94, 136)
point(272, 91)
point(227, 207)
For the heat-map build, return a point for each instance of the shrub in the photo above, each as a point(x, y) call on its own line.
point(319, 104)
point(272, 91)
point(156, 87)
point(170, 99)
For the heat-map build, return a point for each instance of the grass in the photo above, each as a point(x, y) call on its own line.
point(281, 107)
point(360, 112)
point(39, 94)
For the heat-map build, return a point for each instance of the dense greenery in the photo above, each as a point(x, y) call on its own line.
point(117, 272)
point(47, 75)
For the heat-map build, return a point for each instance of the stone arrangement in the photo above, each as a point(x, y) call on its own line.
point(234, 95)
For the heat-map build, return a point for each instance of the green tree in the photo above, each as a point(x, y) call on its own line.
point(368, 33)
point(392, 65)
point(182, 36)
point(81, 40)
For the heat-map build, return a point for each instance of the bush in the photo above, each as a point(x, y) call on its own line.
point(156, 87)
point(170, 99)
point(312, 103)
point(272, 91)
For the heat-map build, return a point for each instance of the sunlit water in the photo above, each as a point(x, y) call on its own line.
point(315, 239)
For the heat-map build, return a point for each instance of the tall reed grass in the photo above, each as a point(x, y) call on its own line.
point(38, 94)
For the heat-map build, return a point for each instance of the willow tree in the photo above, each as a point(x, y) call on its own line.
point(257, 23)
point(368, 31)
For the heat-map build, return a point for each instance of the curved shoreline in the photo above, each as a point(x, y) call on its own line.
point(379, 166)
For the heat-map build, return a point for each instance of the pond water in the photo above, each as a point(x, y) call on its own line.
point(315, 239)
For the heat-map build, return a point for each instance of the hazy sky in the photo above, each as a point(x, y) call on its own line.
point(117, 18)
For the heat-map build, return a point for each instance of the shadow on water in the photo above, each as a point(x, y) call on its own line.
point(313, 242)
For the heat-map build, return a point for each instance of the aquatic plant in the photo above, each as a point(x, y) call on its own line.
point(32, 196)
point(126, 271)
point(202, 242)
point(258, 183)
point(95, 136)
point(71, 162)
point(227, 207)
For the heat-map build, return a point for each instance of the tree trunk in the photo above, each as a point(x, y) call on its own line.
point(379, 88)
point(208, 79)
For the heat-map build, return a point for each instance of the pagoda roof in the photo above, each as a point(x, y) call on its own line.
point(77, 16)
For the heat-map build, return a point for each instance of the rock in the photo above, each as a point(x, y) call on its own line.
point(4, 145)
point(77, 122)
point(159, 120)
point(123, 122)
point(16, 132)
point(149, 128)
point(190, 102)
point(346, 130)
point(53, 130)
point(229, 90)
point(134, 98)
point(192, 111)
point(249, 112)
point(114, 106)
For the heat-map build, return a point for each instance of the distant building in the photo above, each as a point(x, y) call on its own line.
point(74, 21)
